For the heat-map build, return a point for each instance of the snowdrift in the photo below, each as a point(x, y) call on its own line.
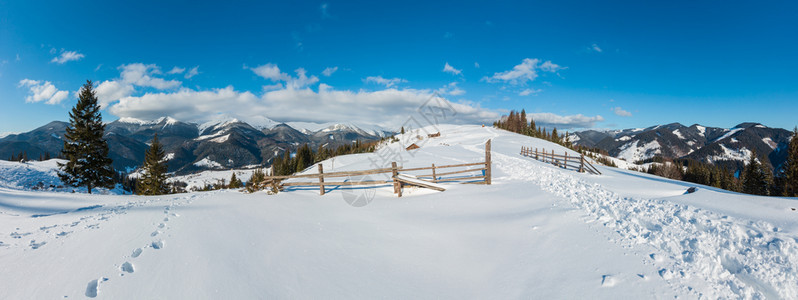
point(537, 232)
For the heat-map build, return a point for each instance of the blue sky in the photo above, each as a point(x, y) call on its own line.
point(571, 64)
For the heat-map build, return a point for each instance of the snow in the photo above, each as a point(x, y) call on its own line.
point(678, 134)
point(631, 152)
point(132, 121)
point(39, 176)
point(26, 176)
point(221, 139)
point(623, 138)
point(308, 127)
point(5, 134)
point(167, 120)
point(539, 231)
point(217, 123)
point(760, 126)
point(169, 156)
point(770, 143)
point(207, 163)
point(728, 134)
point(199, 180)
point(701, 130)
point(741, 154)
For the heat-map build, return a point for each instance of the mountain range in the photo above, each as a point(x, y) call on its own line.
point(190, 147)
point(729, 148)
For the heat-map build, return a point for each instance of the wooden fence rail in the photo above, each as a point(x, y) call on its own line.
point(564, 161)
point(483, 176)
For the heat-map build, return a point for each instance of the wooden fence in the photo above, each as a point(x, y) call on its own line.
point(433, 174)
point(563, 161)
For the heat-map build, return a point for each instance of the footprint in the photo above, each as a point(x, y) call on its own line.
point(136, 252)
point(63, 233)
point(608, 280)
point(127, 267)
point(176, 215)
point(166, 219)
point(158, 244)
point(94, 287)
point(18, 235)
point(34, 245)
point(161, 225)
point(154, 233)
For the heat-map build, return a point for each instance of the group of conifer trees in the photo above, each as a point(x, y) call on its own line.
point(305, 157)
point(756, 178)
point(517, 122)
point(86, 152)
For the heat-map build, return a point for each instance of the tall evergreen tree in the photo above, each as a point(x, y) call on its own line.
point(153, 181)
point(755, 178)
point(85, 149)
point(791, 167)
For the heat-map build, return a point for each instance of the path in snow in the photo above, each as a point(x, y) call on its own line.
point(697, 251)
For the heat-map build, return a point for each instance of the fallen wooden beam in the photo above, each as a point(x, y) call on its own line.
point(413, 180)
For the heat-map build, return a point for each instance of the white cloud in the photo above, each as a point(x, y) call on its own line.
point(109, 91)
point(192, 72)
point(525, 72)
point(176, 70)
point(528, 92)
point(271, 72)
point(564, 122)
point(596, 48)
point(384, 81)
point(619, 111)
point(449, 69)
point(272, 87)
point(66, 56)
point(42, 91)
point(329, 71)
point(390, 108)
point(451, 89)
point(142, 75)
point(476, 65)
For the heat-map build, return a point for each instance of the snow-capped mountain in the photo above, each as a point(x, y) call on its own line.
point(729, 147)
point(219, 144)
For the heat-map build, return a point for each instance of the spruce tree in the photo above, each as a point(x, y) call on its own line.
point(791, 167)
point(755, 178)
point(85, 149)
point(153, 181)
point(234, 182)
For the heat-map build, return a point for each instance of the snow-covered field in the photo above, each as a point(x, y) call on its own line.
point(537, 232)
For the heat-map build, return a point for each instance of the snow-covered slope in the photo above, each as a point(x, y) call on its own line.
point(537, 232)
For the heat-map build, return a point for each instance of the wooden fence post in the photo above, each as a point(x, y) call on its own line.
point(321, 180)
point(536, 153)
point(396, 187)
point(434, 177)
point(582, 163)
point(487, 162)
point(566, 160)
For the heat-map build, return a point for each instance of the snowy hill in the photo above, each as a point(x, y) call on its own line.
point(729, 148)
point(538, 231)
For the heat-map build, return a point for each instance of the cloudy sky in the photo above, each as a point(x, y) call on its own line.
point(570, 64)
